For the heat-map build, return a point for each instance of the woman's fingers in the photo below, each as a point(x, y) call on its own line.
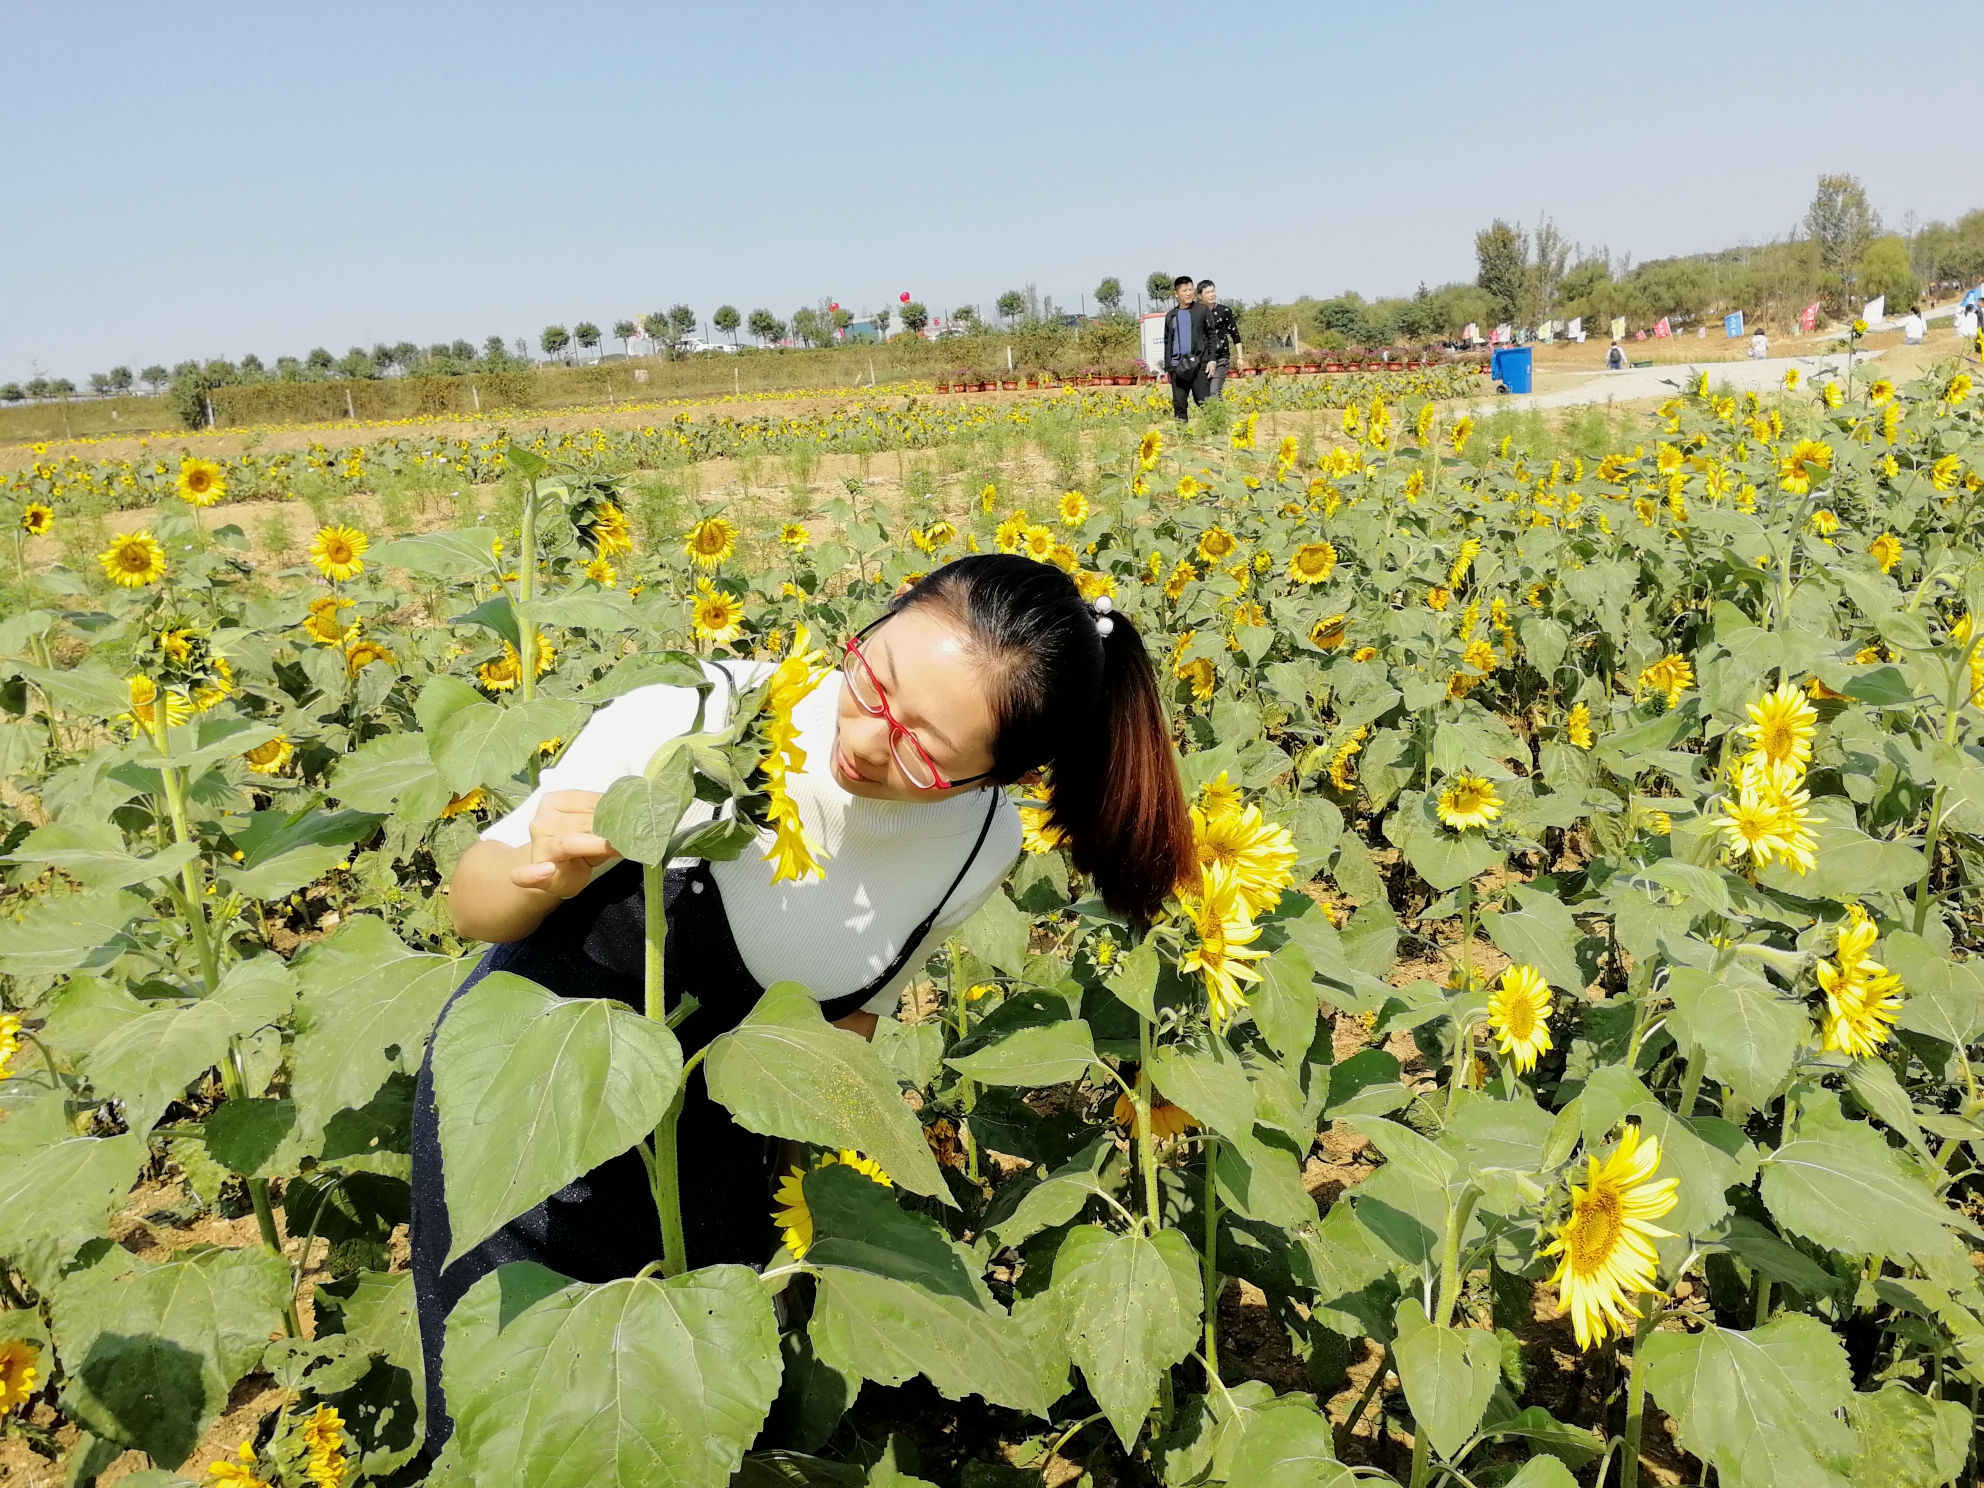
point(567, 845)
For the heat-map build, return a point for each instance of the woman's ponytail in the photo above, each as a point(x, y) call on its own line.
point(1118, 797)
point(1073, 690)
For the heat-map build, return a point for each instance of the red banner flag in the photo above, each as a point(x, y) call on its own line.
point(1661, 328)
point(1809, 320)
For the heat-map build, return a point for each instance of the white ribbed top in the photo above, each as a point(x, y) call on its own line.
point(887, 862)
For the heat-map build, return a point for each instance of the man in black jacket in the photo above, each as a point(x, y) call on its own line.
point(1187, 346)
point(1223, 334)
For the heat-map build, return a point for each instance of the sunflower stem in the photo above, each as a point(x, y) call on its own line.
point(526, 626)
point(1211, 1254)
point(1629, 1457)
point(174, 782)
point(1959, 690)
point(1458, 1218)
point(234, 1084)
point(1691, 1080)
point(1763, 1300)
point(1146, 1144)
point(663, 1172)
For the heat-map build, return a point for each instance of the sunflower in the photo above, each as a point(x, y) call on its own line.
point(1312, 563)
point(1216, 544)
point(201, 482)
point(988, 498)
point(1346, 752)
point(1438, 598)
point(1886, 551)
point(133, 560)
point(1606, 1243)
point(239, 1473)
point(1862, 1000)
point(1879, 391)
point(1217, 914)
point(1093, 586)
point(1766, 819)
point(1008, 533)
point(1203, 676)
point(323, 1441)
point(1670, 676)
point(1468, 801)
point(325, 625)
point(144, 710)
point(609, 531)
point(1943, 475)
point(1463, 561)
point(715, 616)
point(1166, 1120)
point(1519, 1016)
point(793, 854)
point(1181, 578)
point(1038, 832)
point(1149, 448)
point(940, 534)
point(20, 1374)
point(1074, 509)
point(501, 674)
point(1825, 523)
point(795, 535)
point(1287, 452)
point(1809, 459)
point(1781, 728)
point(1259, 855)
point(270, 758)
point(1459, 434)
point(362, 654)
point(467, 801)
point(37, 520)
point(10, 1045)
point(1577, 725)
point(1330, 632)
point(602, 573)
point(794, 1218)
point(1481, 656)
point(338, 552)
point(1219, 796)
point(1957, 389)
point(711, 542)
point(1037, 543)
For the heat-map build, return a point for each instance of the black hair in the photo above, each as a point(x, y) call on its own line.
point(1181, 279)
point(1074, 691)
point(1207, 284)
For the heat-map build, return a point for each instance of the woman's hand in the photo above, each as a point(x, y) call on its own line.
point(564, 850)
point(501, 893)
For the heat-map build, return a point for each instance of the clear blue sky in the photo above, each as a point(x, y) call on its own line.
point(197, 179)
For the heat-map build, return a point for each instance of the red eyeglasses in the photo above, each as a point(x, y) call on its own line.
point(915, 763)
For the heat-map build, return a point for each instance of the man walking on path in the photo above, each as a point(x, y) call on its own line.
point(1223, 334)
point(1186, 344)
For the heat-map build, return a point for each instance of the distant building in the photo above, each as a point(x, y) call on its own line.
point(862, 330)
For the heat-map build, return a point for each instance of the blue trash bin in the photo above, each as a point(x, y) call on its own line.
point(1509, 367)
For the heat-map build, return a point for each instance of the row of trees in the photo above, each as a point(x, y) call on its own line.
point(1838, 255)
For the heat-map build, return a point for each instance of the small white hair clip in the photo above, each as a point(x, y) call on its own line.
point(1103, 624)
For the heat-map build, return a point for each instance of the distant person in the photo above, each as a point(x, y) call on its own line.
point(1187, 342)
point(1965, 325)
point(1615, 359)
point(1759, 346)
point(1913, 327)
point(1223, 337)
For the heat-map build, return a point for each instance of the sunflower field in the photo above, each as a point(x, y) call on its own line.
point(1560, 1071)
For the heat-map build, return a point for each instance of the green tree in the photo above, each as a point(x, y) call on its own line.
point(882, 318)
point(319, 361)
point(682, 321)
point(494, 350)
point(1842, 222)
point(120, 380)
point(915, 317)
point(623, 332)
point(1501, 255)
point(1011, 305)
point(100, 384)
point(766, 326)
point(1109, 295)
point(12, 392)
point(586, 334)
point(1158, 286)
point(812, 326)
point(1885, 270)
point(154, 377)
point(554, 339)
point(726, 320)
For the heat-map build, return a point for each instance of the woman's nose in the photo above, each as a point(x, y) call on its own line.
point(868, 741)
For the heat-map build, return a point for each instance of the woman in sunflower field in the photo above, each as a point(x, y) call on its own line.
point(990, 669)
